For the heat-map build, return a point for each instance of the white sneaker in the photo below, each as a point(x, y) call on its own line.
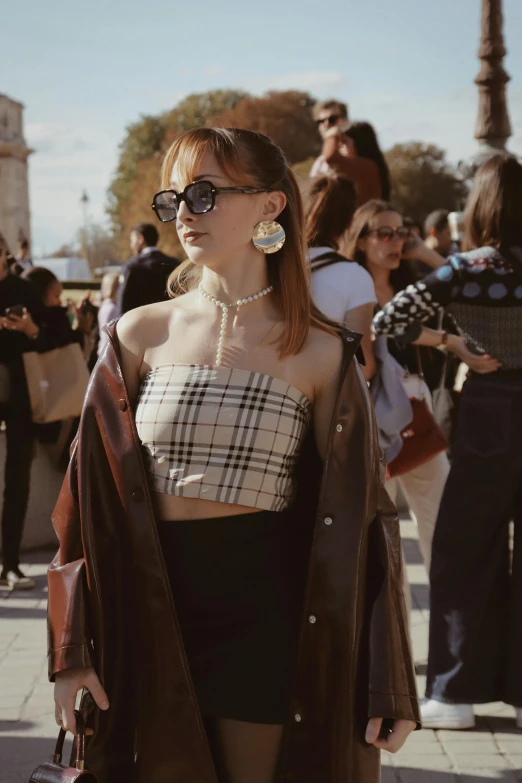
point(518, 711)
point(438, 715)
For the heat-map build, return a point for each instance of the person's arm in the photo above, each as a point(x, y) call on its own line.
point(388, 625)
point(418, 302)
point(392, 687)
point(359, 319)
point(339, 153)
point(482, 364)
point(416, 250)
point(69, 635)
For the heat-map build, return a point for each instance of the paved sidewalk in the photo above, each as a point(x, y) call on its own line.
point(493, 751)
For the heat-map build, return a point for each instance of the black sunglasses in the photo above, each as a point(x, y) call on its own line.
point(331, 120)
point(386, 233)
point(200, 197)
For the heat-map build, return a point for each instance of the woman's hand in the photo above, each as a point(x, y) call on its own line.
point(66, 687)
point(483, 364)
point(24, 324)
point(415, 249)
point(395, 740)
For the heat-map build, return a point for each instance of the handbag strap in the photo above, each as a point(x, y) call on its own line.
point(327, 259)
point(80, 743)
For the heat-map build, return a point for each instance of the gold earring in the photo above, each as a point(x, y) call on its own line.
point(269, 236)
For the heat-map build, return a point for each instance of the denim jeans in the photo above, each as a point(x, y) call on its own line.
point(475, 650)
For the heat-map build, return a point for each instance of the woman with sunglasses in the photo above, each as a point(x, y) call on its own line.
point(476, 585)
point(376, 240)
point(227, 549)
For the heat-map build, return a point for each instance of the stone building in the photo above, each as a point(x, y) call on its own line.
point(14, 185)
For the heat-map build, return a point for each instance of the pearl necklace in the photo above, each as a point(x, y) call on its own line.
point(224, 318)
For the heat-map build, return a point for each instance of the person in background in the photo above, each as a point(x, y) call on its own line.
point(21, 330)
point(412, 226)
point(437, 233)
point(476, 586)
point(109, 306)
point(376, 240)
point(327, 114)
point(55, 318)
point(144, 277)
point(358, 158)
point(366, 146)
point(22, 260)
point(341, 289)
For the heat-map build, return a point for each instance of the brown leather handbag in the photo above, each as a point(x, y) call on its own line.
point(55, 772)
point(422, 439)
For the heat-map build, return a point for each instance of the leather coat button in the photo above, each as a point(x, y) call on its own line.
point(328, 521)
point(123, 405)
point(138, 496)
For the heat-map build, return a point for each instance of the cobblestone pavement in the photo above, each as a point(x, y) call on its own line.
point(492, 751)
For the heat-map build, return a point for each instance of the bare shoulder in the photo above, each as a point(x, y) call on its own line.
point(141, 327)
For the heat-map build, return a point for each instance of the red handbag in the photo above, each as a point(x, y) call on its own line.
point(422, 439)
point(55, 772)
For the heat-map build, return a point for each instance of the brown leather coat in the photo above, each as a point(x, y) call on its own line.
point(110, 605)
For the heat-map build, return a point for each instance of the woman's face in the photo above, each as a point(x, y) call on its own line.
point(53, 295)
point(225, 233)
point(382, 253)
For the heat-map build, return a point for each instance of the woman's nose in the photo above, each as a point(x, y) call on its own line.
point(184, 213)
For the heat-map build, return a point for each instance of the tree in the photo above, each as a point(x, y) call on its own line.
point(422, 180)
point(148, 138)
point(284, 116)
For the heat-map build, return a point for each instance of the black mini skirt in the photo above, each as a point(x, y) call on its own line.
point(238, 587)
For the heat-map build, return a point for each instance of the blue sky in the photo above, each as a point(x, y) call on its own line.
point(85, 70)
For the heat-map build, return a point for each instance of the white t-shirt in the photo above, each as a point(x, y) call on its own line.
point(340, 287)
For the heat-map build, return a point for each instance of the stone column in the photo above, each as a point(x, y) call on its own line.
point(493, 127)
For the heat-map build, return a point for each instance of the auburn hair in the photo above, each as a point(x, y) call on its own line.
point(250, 158)
point(331, 205)
point(493, 214)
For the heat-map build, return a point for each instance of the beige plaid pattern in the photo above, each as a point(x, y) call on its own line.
point(220, 433)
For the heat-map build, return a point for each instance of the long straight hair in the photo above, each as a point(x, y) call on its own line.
point(330, 207)
point(250, 158)
point(493, 214)
point(367, 146)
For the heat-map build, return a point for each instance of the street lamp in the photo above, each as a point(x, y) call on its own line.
point(85, 204)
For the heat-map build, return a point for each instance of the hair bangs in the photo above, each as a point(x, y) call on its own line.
point(188, 150)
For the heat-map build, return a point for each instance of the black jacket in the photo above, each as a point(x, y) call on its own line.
point(144, 280)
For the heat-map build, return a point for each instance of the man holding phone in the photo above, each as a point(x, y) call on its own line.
point(327, 115)
point(18, 334)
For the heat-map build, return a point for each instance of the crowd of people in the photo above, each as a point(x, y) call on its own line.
point(233, 424)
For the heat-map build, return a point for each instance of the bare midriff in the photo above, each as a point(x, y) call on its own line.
point(171, 507)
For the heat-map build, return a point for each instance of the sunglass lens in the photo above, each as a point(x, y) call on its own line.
point(166, 206)
point(332, 119)
point(385, 233)
point(403, 233)
point(199, 197)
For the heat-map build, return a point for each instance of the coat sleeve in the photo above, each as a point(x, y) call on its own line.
point(69, 645)
point(392, 686)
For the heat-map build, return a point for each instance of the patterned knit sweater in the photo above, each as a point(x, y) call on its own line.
point(480, 290)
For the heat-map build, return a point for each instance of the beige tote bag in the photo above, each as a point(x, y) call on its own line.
point(57, 382)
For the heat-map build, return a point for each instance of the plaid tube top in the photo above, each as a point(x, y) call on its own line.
point(220, 433)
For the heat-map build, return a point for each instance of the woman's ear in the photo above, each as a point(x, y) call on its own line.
point(274, 205)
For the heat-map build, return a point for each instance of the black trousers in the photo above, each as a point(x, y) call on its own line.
point(19, 455)
point(475, 649)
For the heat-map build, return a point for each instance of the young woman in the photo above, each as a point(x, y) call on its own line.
point(376, 241)
point(219, 642)
point(341, 288)
point(476, 603)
